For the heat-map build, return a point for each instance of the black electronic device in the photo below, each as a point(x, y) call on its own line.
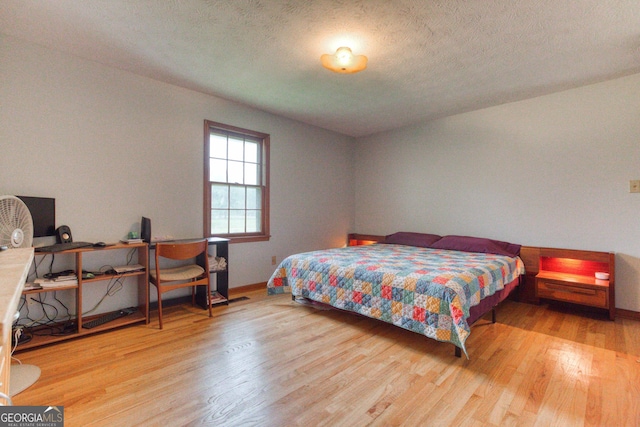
point(63, 234)
point(43, 213)
point(145, 230)
point(109, 317)
point(59, 247)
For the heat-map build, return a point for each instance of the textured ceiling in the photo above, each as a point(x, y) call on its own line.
point(427, 58)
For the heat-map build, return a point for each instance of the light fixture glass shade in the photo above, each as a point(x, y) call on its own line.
point(344, 61)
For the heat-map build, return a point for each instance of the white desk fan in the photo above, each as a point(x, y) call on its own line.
point(16, 231)
point(16, 225)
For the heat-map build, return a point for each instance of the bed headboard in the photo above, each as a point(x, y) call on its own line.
point(530, 255)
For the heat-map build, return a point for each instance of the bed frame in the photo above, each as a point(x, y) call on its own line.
point(476, 312)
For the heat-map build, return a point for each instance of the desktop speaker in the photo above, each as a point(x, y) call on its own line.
point(63, 234)
point(145, 230)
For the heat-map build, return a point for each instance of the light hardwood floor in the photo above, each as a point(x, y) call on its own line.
point(269, 361)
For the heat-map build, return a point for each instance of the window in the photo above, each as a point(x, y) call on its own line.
point(236, 177)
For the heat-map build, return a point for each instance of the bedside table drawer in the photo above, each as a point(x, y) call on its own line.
point(569, 293)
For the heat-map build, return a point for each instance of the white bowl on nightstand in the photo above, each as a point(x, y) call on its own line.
point(602, 276)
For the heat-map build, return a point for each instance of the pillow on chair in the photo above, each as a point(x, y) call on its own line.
point(185, 272)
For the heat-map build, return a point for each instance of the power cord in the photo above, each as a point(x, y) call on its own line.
point(36, 265)
point(130, 254)
point(7, 398)
point(17, 333)
point(113, 287)
point(17, 337)
point(56, 326)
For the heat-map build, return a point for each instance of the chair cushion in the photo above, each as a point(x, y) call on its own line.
point(184, 272)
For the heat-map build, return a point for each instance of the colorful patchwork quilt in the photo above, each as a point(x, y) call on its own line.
point(428, 291)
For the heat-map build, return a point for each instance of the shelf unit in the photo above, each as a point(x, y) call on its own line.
point(569, 275)
point(140, 316)
point(221, 246)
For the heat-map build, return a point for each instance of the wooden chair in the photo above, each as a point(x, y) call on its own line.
point(191, 275)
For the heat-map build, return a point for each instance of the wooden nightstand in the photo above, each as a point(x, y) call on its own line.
point(569, 275)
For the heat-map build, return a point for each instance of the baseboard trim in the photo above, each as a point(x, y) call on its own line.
point(248, 288)
point(233, 293)
point(627, 314)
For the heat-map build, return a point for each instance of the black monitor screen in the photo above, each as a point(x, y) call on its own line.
point(145, 229)
point(43, 212)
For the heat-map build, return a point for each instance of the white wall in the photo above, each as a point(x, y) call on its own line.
point(111, 146)
point(551, 171)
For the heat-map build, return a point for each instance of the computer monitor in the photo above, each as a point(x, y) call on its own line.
point(43, 213)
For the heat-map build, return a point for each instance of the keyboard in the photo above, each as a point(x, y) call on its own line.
point(109, 317)
point(58, 247)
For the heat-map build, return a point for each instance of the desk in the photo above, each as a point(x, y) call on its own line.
point(74, 327)
point(14, 268)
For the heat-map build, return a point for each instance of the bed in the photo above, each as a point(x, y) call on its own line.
point(433, 285)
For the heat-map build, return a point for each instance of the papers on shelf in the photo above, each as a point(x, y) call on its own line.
point(217, 264)
point(121, 269)
point(31, 286)
point(57, 282)
point(216, 297)
point(132, 241)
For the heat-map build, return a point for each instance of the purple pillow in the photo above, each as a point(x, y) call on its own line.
point(477, 244)
point(412, 239)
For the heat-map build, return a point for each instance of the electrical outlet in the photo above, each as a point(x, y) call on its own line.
point(634, 186)
point(273, 260)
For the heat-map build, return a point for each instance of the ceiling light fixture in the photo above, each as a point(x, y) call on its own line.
point(344, 61)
